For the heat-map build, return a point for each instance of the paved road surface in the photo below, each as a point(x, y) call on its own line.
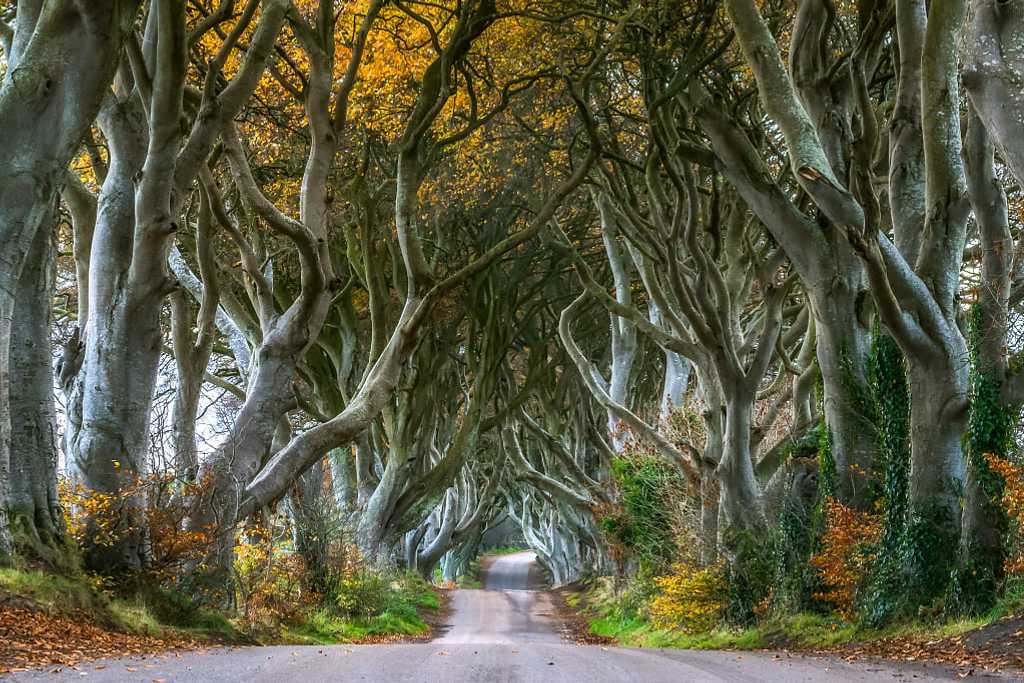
point(501, 634)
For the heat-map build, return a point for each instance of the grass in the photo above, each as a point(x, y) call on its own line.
point(471, 579)
point(154, 613)
point(400, 614)
point(53, 591)
point(799, 631)
point(163, 614)
point(505, 550)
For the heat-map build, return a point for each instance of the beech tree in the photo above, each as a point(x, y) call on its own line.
point(392, 274)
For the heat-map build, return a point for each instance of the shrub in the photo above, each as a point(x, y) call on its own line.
point(362, 594)
point(848, 550)
point(690, 599)
point(642, 525)
point(97, 517)
point(268, 580)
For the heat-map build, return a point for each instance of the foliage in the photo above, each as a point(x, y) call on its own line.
point(889, 384)
point(268, 580)
point(692, 599)
point(1012, 500)
point(642, 525)
point(389, 608)
point(97, 518)
point(363, 594)
point(848, 551)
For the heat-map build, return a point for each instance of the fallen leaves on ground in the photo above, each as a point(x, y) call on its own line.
point(33, 638)
point(995, 648)
point(573, 625)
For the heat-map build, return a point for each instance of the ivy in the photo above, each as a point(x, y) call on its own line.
point(886, 589)
point(750, 574)
point(989, 433)
point(642, 523)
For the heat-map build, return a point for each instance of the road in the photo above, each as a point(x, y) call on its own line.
point(502, 633)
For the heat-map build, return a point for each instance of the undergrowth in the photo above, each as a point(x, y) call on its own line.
point(154, 612)
point(369, 607)
point(617, 614)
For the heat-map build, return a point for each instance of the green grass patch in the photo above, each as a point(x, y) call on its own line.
point(398, 608)
point(505, 550)
point(327, 627)
point(52, 591)
point(628, 626)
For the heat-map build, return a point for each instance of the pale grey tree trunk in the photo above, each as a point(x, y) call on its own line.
point(843, 327)
point(153, 165)
point(982, 552)
point(674, 384)
point(108, 428)
point(61, 59)
point(430, 555)
point(34, 507)
point(993, 71)
point(834, 284)
point(623, 332)
point(739, 494)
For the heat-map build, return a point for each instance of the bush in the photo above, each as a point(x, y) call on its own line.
point(1013, 503)
point(848, 550)
point(690, 599)
point(362, 594)
point(268, 580)
point(642, 525)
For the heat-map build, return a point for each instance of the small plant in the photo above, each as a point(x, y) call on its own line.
point(268, 580)
point(99, 518)
point(691, 599)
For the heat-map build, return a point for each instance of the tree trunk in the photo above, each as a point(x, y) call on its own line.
point(114, 389)
point(992, 73)
point(61, 61)
point(938, 418)
point(709, 504)
point(844, 341)
point(740, 496)
point(187, 390)
point(992, 415)
point(34, 508)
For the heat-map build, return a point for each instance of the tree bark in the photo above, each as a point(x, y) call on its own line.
point(34, 507)
point(61, 61)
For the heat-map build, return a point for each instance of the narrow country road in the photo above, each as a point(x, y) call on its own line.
point(501, 633)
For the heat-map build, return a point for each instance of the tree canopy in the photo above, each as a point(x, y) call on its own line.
point(677, 288)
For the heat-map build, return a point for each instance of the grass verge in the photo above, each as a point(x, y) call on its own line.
point(404, 610)
point(604, 617)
